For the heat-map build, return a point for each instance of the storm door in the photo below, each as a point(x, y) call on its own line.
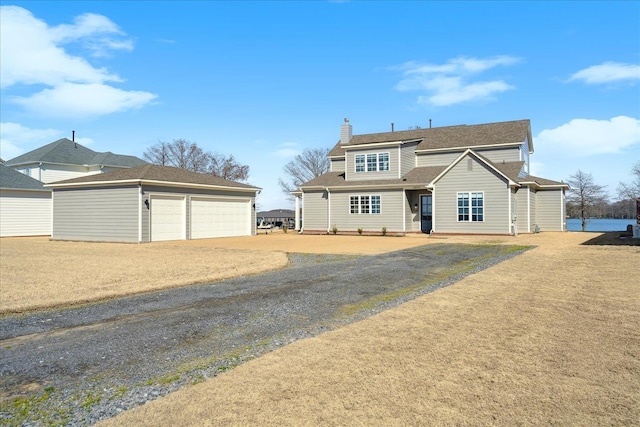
point(426, 213)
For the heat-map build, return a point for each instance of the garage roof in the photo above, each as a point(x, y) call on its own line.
point(156, 175)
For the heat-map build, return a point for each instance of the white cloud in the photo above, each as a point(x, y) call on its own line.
point(607, 72)
point(83, 100)
point(587, 137)
point(16, 139)
point(450, 83)
point(32, 54)
point(286, 152)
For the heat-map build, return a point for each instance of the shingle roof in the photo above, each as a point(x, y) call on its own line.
point(454, 137)
point(12, 179)
point(148, 172)
point(65, 151)
point(417, 176)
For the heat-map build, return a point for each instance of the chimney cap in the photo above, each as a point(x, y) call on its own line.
point(346, 120)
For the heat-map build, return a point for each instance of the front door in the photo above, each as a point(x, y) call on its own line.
point(426, 213)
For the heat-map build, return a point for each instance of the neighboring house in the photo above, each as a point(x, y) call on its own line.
point(65, 159)
point(457, 179)
point(25, 205)
point(151, 203)
point(277, 217)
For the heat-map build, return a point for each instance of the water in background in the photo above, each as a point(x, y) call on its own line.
point(575, 224)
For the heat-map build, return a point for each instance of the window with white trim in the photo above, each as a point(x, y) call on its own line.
point(365, 204)
point(372, 162)
point(360, 163)
point(471, 207)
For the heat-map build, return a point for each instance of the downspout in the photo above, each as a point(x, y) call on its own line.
point(328, 210)
point(140, 213)
point(528, 209)
point(404, 211)
point(509, 213)
point(433, 211)
point(302, 200)
point(40, 171)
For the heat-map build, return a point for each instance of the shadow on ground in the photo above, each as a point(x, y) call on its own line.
point(614, 238)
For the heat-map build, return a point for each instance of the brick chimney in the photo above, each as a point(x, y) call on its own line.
point(346, 132)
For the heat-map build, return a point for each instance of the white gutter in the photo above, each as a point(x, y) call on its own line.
point(328, 210)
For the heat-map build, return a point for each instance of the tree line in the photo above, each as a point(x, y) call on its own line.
point(586, 199)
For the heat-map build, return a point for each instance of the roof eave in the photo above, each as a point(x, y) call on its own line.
point(465, 147)
point(137, 181)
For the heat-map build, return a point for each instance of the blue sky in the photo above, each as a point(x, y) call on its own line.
point(262, 81)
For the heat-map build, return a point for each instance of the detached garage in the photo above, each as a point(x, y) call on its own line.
point(25, 205)
point(152, 203)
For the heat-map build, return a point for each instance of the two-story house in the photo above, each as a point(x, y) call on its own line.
point(25, 204)
point(457, 179)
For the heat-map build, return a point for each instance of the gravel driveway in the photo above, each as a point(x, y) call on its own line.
point(80, 365)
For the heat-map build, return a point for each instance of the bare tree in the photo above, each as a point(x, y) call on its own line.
point(227, 168)
point(185, 154)
point(584, 195)
point(632, 190)
point(158, 154)
point(310, 164)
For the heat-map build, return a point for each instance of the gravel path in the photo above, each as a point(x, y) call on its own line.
point(78, 366)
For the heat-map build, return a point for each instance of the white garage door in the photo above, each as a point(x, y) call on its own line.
point(167, 218)
point(220, 218)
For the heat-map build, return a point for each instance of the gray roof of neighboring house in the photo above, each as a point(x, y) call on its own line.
point(449, 137)
point(277, 213)
point(65, 151)
point(156, 173)
point(13, 180)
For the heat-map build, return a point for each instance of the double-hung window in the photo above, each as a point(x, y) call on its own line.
point(360, 163)
point(471, 207)
point(372, 162)
point(364, 204)
point(383, 162)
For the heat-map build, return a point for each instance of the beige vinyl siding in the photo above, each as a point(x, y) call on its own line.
point(524, 155)
point(550, 210)
point(532, 200)
point(390, 216)
point(25, 213)
point(498, 155)
point(479, 179)
point(437, 159)
point(314, 211)
point(407, 158)
point(98, 214)
point(337, 165)
point(522, 202)
point(350, 165)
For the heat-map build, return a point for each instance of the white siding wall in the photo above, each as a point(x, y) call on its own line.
point(350, 165)
point(53, 173)
point(25, 213)
point(101, 214)
point(550, 210)
point(337, 165)
point(390, 216)
point(459, 179)
point(532, 199)
point(314, 211)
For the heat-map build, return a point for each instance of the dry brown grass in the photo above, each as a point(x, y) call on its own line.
point(37, 273)
point(549, 337)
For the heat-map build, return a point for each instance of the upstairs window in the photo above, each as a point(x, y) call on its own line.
point(373, 162)
point(383, 162)
point(359, 162)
